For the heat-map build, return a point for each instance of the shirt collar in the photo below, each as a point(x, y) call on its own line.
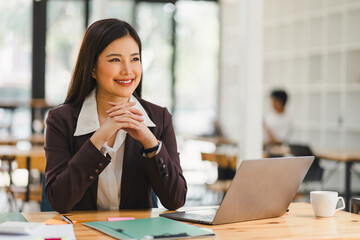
point(88, 120)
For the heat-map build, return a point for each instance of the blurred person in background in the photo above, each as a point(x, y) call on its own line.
point(277, 124)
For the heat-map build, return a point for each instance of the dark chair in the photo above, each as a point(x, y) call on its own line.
point(315, 172)
point(45, 205)
point(154, 199)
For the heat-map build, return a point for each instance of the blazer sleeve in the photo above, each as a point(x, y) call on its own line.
point(68, 175)
point(164, 168)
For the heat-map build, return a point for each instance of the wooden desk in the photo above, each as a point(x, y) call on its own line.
point(346, 156)
point(33, 158)
point(298, 223)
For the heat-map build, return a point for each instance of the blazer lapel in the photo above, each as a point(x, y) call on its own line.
point(132, 157)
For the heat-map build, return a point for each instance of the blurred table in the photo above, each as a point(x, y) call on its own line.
point(38, 107)
point(215, 140)
point(34, 139)
point(8, 140)
point(32, 158)
point(349, 157)
point(276, 150)
point(32, 103)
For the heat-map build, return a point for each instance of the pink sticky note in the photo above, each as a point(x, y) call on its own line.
point(120, 218)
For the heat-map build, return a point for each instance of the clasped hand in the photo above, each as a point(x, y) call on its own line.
point(124, 116)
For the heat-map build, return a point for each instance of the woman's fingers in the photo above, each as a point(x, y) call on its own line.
point(129, 125)
point(118, 123)
point(127, 115)
point(124, 111)
point(120, 105)
point(126, 120)
point(116, 106)
point(123, 106)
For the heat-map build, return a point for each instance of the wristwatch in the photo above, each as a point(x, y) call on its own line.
point(149, 150)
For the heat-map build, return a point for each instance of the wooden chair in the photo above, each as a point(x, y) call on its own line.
point(211, 157)
point(226, 170)
point(223, 160)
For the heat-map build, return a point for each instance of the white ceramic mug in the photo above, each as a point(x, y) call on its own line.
point(324, 203)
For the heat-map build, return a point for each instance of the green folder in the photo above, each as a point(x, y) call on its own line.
point(12, 216)
point(149, 228)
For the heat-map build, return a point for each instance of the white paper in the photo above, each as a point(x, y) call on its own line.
point(49, 231)
point(20, 228)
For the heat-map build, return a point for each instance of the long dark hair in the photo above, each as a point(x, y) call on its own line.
point(97, 37)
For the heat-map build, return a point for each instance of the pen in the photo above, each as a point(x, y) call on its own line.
point(125, 233)
point(168, 235)
point(66, 219)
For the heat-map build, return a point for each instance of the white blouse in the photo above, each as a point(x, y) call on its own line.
point(110, 178)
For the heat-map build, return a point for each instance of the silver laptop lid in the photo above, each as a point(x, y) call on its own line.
point(262, 188)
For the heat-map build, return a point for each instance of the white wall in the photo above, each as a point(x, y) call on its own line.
point(98, 10)
point(312, 49)
point(241, 74)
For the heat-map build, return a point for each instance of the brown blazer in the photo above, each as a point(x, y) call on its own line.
point(73, 165)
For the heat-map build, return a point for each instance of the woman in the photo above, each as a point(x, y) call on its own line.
point(106, 148)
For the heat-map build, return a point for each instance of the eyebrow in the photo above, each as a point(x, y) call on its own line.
point(119, 55)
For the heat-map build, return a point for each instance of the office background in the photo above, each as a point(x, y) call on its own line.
point(206, 61)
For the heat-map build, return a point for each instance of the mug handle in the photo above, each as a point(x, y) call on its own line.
point(343, 204)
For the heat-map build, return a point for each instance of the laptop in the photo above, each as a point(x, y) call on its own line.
point(262, 188)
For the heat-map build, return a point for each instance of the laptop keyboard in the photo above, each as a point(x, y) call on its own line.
point(208, 217)
point(202, 216)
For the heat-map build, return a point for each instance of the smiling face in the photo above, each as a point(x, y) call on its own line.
point(118, 70)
